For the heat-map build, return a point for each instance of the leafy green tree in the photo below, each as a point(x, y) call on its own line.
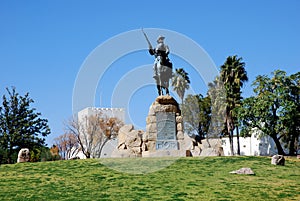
point(233, 75)
point(20, 125)
point(196, 112)
point(293, 119)
point(275, 108)
point(180, 82)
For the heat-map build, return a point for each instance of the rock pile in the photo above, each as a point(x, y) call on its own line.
point(129, 142)
point(211, 147)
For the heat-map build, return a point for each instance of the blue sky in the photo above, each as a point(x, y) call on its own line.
point(45, 43)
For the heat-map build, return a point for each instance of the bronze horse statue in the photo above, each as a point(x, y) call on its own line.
point(164, 74)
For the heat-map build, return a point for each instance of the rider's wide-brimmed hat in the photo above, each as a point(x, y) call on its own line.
point(160, 37)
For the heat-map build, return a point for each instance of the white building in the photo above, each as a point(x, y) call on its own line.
point(252, 146)
point(109, 112)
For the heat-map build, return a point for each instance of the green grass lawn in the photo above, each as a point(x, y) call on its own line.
point(185, 179)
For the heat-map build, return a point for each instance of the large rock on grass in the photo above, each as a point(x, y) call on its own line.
point(23, 155)
point(278, 160)
point(243, 171)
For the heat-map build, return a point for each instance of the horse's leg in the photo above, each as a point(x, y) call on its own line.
point(167, 87)
point(161, 85)
point(161, 89)
point(167, 91)
point(164, 86)
point(158, 85)
point(158, 89)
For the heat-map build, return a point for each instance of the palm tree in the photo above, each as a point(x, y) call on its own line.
point(180, 82)
point(233, 75)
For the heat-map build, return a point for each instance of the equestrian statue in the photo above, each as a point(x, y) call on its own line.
point(162, 68)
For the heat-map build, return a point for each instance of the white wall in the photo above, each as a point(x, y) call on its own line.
point(251, 146)
point(109, 112)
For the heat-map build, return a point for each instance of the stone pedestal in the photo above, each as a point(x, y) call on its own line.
point(164, 136)
point(164, 130)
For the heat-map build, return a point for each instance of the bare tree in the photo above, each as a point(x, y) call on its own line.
point(93, 132)
point(67, 143)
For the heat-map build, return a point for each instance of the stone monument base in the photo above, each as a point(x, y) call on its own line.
point(164, 135)
point(164, 129)
point(164, 153)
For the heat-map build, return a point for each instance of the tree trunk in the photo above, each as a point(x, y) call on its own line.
point(231, 142)
point(9, 159)
point(88, 155)
point(278, 145)
point(230, 136)
point(230, 132)
point(105, 141)
point(238, 140)
point(292, 150)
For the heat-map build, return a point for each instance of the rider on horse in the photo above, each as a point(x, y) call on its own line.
point(162, 66)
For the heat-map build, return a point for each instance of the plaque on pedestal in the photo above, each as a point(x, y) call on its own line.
point(166, 131)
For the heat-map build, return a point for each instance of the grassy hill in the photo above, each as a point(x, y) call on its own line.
point(185, 179)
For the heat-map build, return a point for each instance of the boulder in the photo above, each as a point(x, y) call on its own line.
point(23, 155)
point(178, 118)
point(243, 171)
point(123, 132)
point(133, 139)
point(211, 147)
point(277, 160)
point(150, 119)
point(179, 127)
point(151, 136)
point(210, 152)
point(151, 128)
point(150, 146)
point(180, 135)
point(130, 142)
point(186, 143)
point(125, 153)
